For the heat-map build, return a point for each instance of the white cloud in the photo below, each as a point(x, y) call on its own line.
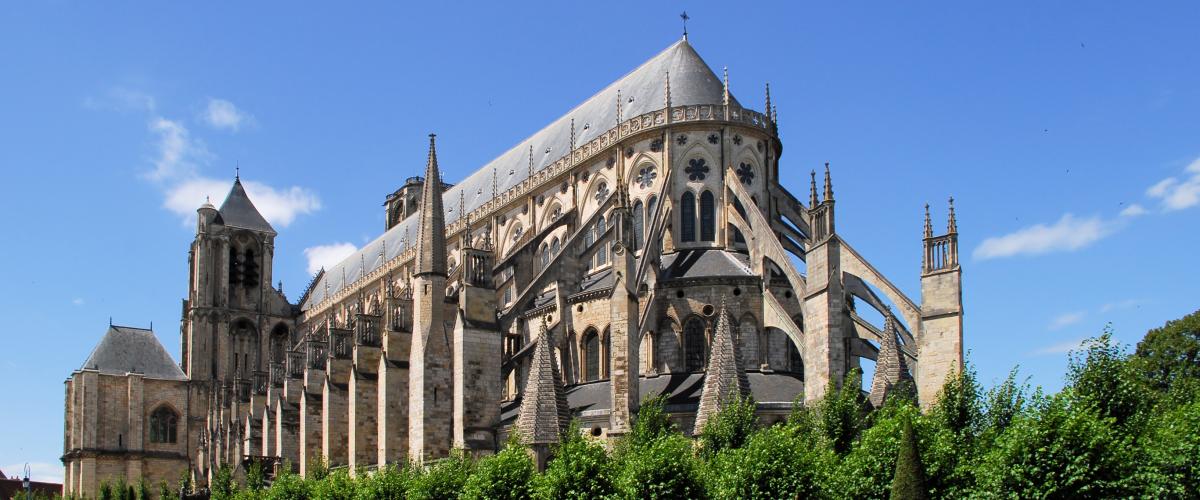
point(1134, 210)
point(38, 471)
point(1070, 233)
point(279, 206)
point(122, 99)
point(1067, 319)
point(177, 154)
point(1176, 194)
point(1121, 304)
point(223, 115)
point(326, 256)
point(77, 301)
point(1060, 348)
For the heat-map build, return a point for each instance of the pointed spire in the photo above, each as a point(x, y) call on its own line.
point(952, 224)
point(725, 378)
point(618, 107)
point(725, 92)
point(812, 199)
point(431, 233)
point(531, 158)
point(462, 206)
point(928, 223)
point(767, 106)
point(572, 136)
point(828, 184)
point(493, 182)
point(775, 116)
point(544, 414)
point(890, 366)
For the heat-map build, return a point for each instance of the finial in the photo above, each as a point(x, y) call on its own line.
point(280, 287)
point(462, 211)
point(812, 199)
point(493, 182)
point(725, 95)
point(685, 18)
point(237, 171)
point(531, 159)
point(110, 321)
point(618, 107)
point(667, 94)
point(928, 223)
point(775, 116)
point(828, 184)
point(767, 108)
point(572, 136)
point(952, 225)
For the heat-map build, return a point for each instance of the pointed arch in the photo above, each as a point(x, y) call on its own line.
point(708, 216)
point(695, 345)
point(164, 424)
point(687, 217)
point(591, 355)
point(639, 225)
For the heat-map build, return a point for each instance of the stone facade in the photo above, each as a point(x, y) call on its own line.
point(621, 227)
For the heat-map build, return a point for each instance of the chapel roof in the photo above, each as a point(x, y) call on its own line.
point(239, 211)
point(642, 90)
point(127, 349)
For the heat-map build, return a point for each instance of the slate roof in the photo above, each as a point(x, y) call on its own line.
point(705, 262)
point(239, 211)
point(642, 90)
point(126, 349)
point(724, 379)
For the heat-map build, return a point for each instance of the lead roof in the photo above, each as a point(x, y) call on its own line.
point(126, 349)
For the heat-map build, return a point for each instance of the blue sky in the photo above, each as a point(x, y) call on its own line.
point(1066, 133)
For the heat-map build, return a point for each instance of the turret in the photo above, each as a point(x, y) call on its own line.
point(940, 341)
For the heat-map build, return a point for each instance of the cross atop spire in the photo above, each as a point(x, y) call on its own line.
point(431, 233)
point(685, 18)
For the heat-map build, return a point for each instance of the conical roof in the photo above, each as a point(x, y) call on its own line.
point(239, 211)
point(431, 233)
point(890, 366)
point(642, 90)
point(724, 378)
point(544, 415)
point(132, 350)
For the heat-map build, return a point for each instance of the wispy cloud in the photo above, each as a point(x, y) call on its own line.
point(1067, 319)
point(1070, 233)
point(280, 206)
point(1175, 193)
point(38, 471)
point(1059, 348)
point(223, 115)
point(1134, 210)
point(326, 256)
point(178, 154)
point(1121, 304)
point(122, 99)
point(78, 301)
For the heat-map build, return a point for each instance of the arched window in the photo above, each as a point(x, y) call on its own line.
point(795, 363)
point(602, 251)
point(694, 345)
point(545, 256)
point(687, 217)
point(591, 356)
point(279, 343)
point(708, 217)
point(555, 246)
point(162, 425)
point(639, 221)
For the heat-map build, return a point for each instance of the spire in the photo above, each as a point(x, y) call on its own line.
point(239, 211)
point(544, 414)
point(725, 92)
point(775, 116)
point(890, 366)
point(952, 225)
point(531, 158)
point(828, 184)
point(767, 106)
point(928, 224)
point(493, 182)
point(812, 199)
point(618, 107)
point(725, 378)
point(572, 136)
point(431, 233)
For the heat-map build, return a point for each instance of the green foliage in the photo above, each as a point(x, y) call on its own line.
point(105, 492)
point(731, 427)
point(958, 407)
point(1003, 403)
point(1173, 449)
point(164, 491)
point(505, 475)
point(867, 468)
point(909, 480)
point(580, 469)
point(185, 481)
point(388, 483)
point(661, 468)
point(1100, 378)
point(443, 480)
point(1170, 353)
point(287, 485)
point(1060, 449)
point(336, 485)
point(223, 487)
point(842, 411)
point(318, 468)
point(652, 421)
point(776, 462)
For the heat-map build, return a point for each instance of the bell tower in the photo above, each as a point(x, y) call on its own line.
point(940, 344)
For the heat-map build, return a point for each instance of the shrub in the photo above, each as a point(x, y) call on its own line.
point(288, 485)
point(1100, 377)
point(505, 475)
point(776, 462)
point(388, 483)
point(443, 480)
point(731, 427)
point(337, 485)
point(223, 487)
point(580, 469)
point(841, 412)
point(662, 468)
point(651, 422)
point(867, 469)
point(909, 481)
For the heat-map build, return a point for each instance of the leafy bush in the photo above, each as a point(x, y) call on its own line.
point(505, 475)
point(909, 481)
point(223, 487)
point(661, 468)
point(651, 422)
point(580, 469)
point(337, 485)
point(443, 480)
point(731, 427)
point(776, 462)
point(288, 485)
point(841, 413)
point(1101, 378)
point(388, 483)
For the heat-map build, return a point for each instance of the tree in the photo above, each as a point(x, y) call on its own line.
point(841, 412)
point(1100, 377)
point(443, 480)
point(909, 481)
point(1171, 352)
point(505, 475)
point(776, 462)
point(223, 487)
point(580, 469)
point(661, 468)
point(731, 427)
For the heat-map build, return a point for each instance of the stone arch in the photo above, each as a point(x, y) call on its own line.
point(590, 347)
point(280, 339)
point(512, 235)
point(589, 203)
point(708, 216)
point(687, 216)
point(669, 345)
point(163, 425)
point(749, 341)
point(243, 342)
point(634, 172)
point(695, 344)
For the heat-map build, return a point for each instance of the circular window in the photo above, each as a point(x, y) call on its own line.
point(737, 291)
point(596, 432)
point(709, 310)
point(679, 294)
point(787, 294)
point(579, 308)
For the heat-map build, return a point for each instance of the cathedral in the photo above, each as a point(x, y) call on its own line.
point(639, 245)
